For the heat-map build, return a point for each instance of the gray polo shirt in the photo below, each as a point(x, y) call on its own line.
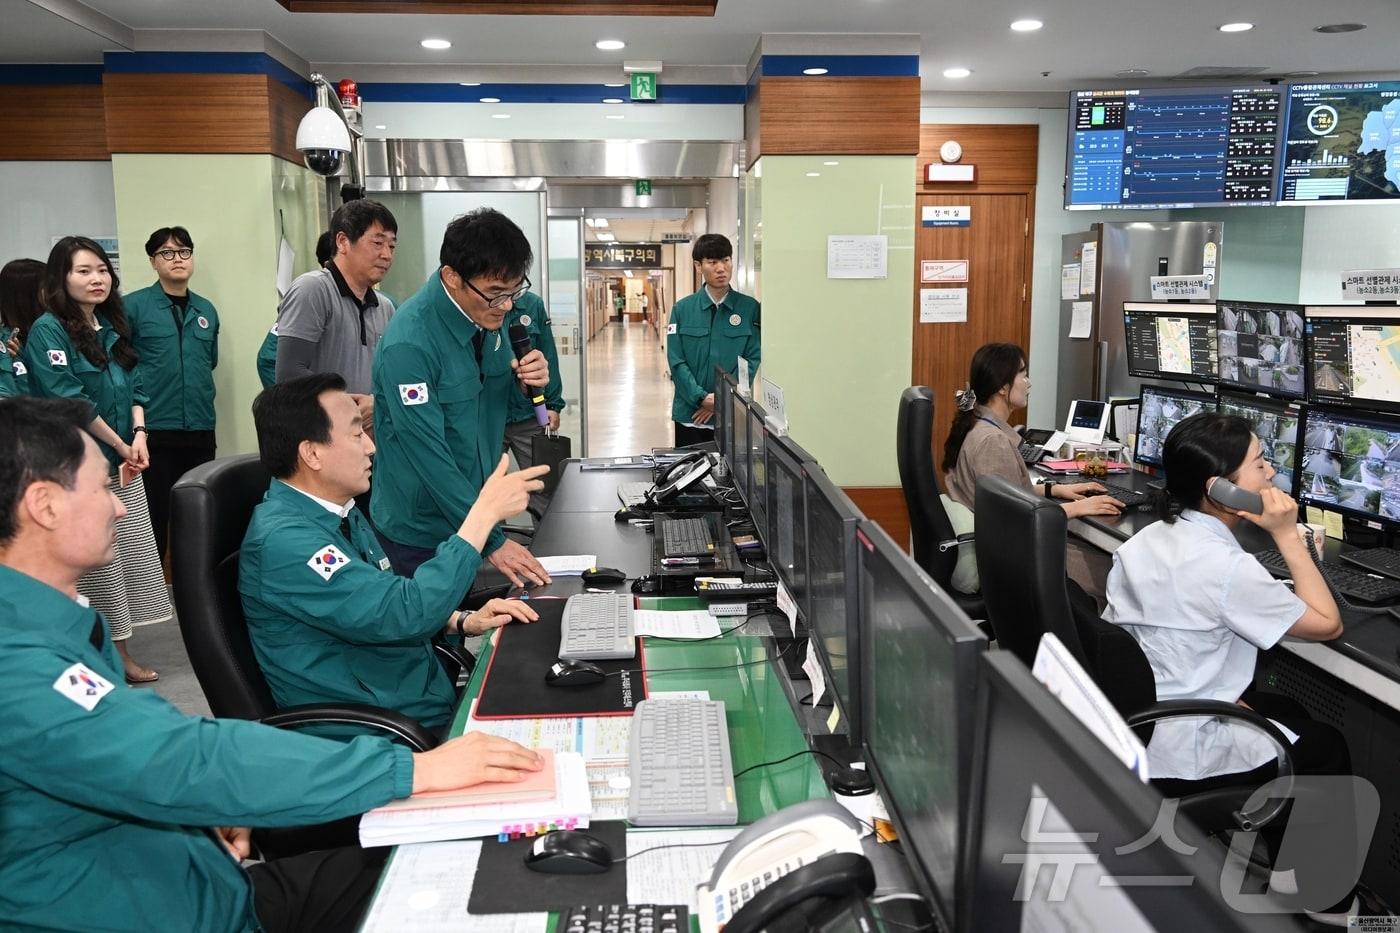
point(321, 309)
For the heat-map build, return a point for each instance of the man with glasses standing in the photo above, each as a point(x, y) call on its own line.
point(444, 375)
point(176, 335)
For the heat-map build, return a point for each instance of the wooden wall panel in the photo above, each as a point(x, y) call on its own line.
point(190, 113)
point(997, 246)
point(287, 107)
point(1005, 156)
point(884, 505)
point(51, 122)
point(839, 116)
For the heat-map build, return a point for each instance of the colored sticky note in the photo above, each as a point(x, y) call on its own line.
point(1332, 521)
point(833, 719)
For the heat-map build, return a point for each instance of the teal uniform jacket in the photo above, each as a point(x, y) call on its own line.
point(331, 623)
point(701, 336)
point(56, 368)
point(106, 791)
point(530, 311)
point(267, 358)
point(439, 418)
point(177, 363)
point(19, 373)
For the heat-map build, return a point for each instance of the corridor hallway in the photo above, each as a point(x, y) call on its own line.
point(629, 391)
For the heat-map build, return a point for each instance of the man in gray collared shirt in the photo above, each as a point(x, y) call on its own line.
point(331, 319)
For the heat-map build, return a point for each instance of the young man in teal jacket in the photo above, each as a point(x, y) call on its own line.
point(715, 326)
point(329, 620)
point(120, 812)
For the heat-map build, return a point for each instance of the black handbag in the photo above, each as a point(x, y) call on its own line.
point(550, 450)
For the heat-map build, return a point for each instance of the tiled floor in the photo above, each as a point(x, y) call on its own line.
point(629, 391)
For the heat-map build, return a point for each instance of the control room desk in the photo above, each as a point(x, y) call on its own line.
point(762, 723)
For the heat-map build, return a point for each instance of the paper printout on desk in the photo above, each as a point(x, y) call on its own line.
point(568, 565)
point(426, 889)
point(689, 623)
point(670, 875)
point(596, 738)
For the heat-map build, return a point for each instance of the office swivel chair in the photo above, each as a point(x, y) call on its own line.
point(1021, 562)
point(210, 508)
point(935, 544)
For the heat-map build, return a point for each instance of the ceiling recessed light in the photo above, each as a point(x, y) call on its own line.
point(832, 162)
point(956, 72)
point(606, 237)
point(1301, 74)
point(500, 116)
point(1340, 27)
point(613, 116)
point(814, 71)
point(470, 83)
point(612, 100)
point(624, 84)
point(814, 174)
point(380, 126)
point(1026, 25)
point(1237, 27)
point(1132, 73)
point(490, 100)
point(609, 45)
point(436, 45)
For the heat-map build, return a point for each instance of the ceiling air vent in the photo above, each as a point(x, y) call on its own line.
point(1219, 72)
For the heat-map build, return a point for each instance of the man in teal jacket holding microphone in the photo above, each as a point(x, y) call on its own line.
point(122, 813)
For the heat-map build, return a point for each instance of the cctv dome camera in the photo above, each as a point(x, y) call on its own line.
point(324, 140)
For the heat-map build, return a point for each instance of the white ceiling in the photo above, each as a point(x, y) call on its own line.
point(1083, 43)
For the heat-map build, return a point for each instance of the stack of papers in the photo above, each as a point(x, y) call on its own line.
point(424, 819)
point(664, 623)
point(568, 565)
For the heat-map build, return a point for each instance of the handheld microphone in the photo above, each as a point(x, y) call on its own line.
point(520, 344)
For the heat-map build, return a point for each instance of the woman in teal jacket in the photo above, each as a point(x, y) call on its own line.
point(20, 284)
point(81, 348)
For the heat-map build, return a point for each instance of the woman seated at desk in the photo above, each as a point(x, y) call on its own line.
point(982, 443)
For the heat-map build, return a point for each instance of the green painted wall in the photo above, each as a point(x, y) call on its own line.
point(1263, 251)
point(840, 348)
point(230, 205)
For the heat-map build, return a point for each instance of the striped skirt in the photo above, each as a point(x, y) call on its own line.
point(131, 589)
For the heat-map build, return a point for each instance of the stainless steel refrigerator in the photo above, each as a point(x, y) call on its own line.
point(1126, 255)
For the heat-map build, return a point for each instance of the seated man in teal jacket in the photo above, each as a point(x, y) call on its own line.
point(120, 812)
point(329, 620)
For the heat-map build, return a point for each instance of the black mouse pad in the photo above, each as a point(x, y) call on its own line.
point(503, 884)
point(515, 687)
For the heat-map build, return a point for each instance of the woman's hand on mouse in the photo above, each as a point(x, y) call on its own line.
point(497, 612)
point(472, 759)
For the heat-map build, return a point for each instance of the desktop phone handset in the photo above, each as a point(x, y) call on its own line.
point(782, 860)
point(1223, 492)
point(679, 476)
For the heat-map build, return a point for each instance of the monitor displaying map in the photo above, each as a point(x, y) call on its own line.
point(1276, 425)
point(1170, 341)
point(1342, 142)
point(1159, 411)
point(1351, 464)
point(1355, 356)
point(1262, 347)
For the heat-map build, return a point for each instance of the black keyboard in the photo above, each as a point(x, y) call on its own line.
point(1352, 584)
point(625, 918)
point(686, 537)
point(1131, 498)
point(1381, 560)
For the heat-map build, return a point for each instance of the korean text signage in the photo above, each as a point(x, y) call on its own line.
point(1371, 285)
point(622, 256)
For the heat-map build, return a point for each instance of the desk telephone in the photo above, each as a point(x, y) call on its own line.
point(1036, 442)
point(681, 475)
point(802, 864)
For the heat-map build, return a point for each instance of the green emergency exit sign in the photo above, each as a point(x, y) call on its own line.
point(643, 186)
point(644, 85)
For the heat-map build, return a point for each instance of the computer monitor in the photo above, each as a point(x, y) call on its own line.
point(832, 612)
point(739, 444)
point(787, 514)
point(758, 473)
point(724, 434)
point(918, 680)
point(1262, 347)
point(1338, 144)
point(1351, 463)
point(1158, 412)
point(1355, 356)
point(1170, 341)
point(1040, 777)
point(1276, 423)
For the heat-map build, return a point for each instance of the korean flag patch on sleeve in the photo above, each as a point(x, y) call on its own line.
point(670, 328)
point(328, 561)
point(20, 369)
point(58, 358)
point(413, 393)
point(83, 686)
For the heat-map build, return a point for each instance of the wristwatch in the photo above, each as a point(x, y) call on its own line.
point(140, 429)
point(1047, 486)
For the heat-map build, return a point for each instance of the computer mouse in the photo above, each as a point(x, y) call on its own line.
point(565, 673)
point(569, 852)
point(630, 515)
point(604, 575)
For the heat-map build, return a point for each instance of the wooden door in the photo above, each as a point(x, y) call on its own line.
point(997, 246)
